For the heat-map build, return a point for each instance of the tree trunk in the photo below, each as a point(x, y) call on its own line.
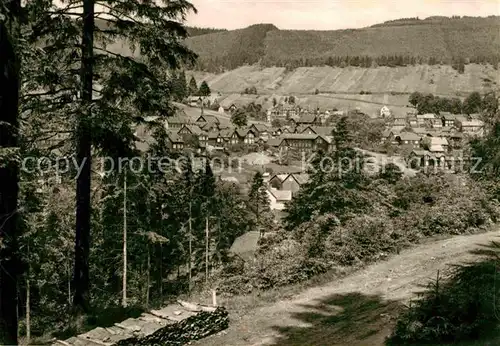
point(69, 283)
point(10, 267)
point(148, 283)
point(206, 249)
point(28, 310)
point(83, 154)
point(124, 297)
point(190, 248)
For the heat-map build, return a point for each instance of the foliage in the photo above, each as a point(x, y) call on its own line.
point(458, 307)
point(432, 41)
point(193, 87)
point(250, 91)
point(391, 173)
point(204, 89)
point(258, 202)
point(239, 118)
point(473, 103)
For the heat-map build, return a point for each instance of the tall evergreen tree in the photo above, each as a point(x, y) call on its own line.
point(112, 88)
point(193, 87)
point(9, 170)
point(183, 88)
point(204, 89)
point(257, 197)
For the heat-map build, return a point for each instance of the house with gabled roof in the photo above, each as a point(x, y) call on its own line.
point(195, 131)
point(308, 119)
point(471, 127)
point(278, 198)
point(176, 121)
point(426, 119)
point(305, 142)
point(318, 130)
point(447, 119)
point(294, 181)
point(175, 141)
point(207, 118)
point(276, 181)
point(261, 131)
point(408, 138)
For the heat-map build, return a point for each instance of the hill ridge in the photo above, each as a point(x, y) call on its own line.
point(434, 40)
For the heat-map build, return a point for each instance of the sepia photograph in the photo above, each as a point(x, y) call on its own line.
point(249, 172)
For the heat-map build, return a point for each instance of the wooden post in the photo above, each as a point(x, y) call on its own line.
point(124, 297)
point(206, 249)
point(28, 307)
point(148, 278)
point(214, 297)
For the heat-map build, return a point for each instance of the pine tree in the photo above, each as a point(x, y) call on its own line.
point(258, 199)
point(204, 89)
point(193, 87)
point(182, 83)
point(341, 135)
point(257, 196)
point(9, 170)
point(114, 87)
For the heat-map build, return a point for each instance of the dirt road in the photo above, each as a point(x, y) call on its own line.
point(357, 310)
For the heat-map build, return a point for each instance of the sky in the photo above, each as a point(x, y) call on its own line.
point(328, 14)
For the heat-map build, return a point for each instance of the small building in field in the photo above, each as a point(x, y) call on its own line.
point(385, 112)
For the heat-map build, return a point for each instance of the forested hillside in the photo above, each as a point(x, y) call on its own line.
point(231, 49)
point(398, 43)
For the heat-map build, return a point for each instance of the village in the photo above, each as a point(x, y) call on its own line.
point(421, 141)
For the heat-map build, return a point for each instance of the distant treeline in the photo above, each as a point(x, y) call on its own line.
point(473, 103)
point(218, 65)
point(195, 31)
point(418, 21)
point(440, 41)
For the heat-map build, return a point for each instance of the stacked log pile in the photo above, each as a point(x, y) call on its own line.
point(176, 324)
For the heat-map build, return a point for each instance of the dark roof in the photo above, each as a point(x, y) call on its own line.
point(408, 136)
point(213, 134)
point(274, 142)
point(208, 118)
point(299, 136)
point(307, 118)
point(194, 129)
point(241, 132)
point(175, 138)
point(448, 116)
point(260, 127)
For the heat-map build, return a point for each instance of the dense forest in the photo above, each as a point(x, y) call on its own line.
point(433, 41)
point(195, 31)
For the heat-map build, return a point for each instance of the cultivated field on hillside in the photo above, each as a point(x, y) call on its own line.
point(341, 87)
point(439, 80)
